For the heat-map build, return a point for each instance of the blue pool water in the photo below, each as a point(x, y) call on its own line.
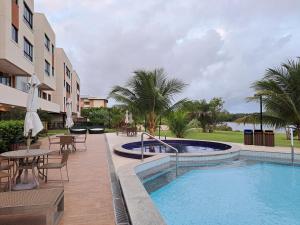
point(252, 194)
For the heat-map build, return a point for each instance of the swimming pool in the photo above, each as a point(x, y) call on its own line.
point(242, 192)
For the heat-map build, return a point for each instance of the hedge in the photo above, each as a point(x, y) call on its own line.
point(11, 132)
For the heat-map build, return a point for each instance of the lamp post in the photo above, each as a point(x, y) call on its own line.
point(260, 110)
point(261, 116)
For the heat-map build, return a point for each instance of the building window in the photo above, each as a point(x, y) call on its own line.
point(14, 33)
point(47, 42)
point(68, 72)
point(47, 67)
point(28, 49)
point(28, 16)
point(52, 49)
point(44, 95)
point(5, 79)
point(52, 71)
point(49, 97)
point(68, 88)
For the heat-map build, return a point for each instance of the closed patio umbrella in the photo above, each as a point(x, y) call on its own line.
point(69, 120)
point(130, 120)
point(32, 123)
point(126, 117)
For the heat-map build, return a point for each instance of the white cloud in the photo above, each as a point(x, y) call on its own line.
point(219, 47)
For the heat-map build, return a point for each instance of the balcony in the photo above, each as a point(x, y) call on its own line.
point(14, 97)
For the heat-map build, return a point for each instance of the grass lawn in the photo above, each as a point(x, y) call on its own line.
point(229, 136)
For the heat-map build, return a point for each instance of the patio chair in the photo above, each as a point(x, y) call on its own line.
point(53, 140)
point(81, 140)
point(65, 142)
point(6, 175)
point(56, 165)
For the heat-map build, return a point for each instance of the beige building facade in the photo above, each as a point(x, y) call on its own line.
point(28, 46)
point(92, 102)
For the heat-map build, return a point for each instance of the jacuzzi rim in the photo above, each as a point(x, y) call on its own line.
point(118, 149)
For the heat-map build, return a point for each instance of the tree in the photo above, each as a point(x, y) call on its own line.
point(207, 113)
point(148, 94)
point(280, 88)
point(98, 115)
point(178, 123)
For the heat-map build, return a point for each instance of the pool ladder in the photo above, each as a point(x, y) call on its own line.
point(161, 142)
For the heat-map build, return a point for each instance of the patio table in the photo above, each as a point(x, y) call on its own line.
point(21, 159)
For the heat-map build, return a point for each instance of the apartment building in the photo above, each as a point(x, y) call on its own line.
point(76, 93)
point(17, 54)
point(92, 102)
point(44, 40)
point(66, 82)
point(28, 46)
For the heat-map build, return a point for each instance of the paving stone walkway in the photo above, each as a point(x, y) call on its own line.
point(88, 196)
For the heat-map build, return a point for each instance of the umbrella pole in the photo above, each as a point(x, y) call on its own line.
point(29, 140)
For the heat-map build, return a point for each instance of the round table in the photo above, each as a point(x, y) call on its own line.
point(21, 158)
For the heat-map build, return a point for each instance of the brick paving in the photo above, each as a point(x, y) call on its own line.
point(88, 197)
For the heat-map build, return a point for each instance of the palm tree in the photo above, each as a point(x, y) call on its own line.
point(149, 94)
point(178, 123)
point(280, 88)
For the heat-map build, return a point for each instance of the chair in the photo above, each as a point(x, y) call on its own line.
point(53, 141)
point(81, 140)
point(66, 141)
point(56, 165)
point(5, 164)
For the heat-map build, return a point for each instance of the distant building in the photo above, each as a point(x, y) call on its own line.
point(92, 102)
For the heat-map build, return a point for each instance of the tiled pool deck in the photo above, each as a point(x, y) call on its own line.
point(88, 196)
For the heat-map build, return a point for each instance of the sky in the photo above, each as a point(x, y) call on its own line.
point(218, 47)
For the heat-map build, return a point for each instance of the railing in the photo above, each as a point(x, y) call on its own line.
point(161, 142)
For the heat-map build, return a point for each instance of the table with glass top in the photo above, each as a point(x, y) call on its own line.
point(26, 160)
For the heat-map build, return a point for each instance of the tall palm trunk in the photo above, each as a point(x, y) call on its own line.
point(152, 123)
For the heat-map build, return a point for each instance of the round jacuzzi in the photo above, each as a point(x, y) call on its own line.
point(152, 147)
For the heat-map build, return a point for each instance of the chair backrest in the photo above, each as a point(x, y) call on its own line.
point(66, 140)
point(65, 156)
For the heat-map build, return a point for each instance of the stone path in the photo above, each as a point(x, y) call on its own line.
point(88, 196)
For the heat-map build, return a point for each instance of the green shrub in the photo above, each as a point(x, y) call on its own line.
point(11, 131)
point(178, 123)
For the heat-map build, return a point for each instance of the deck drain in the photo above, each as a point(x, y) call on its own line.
point(121, 215)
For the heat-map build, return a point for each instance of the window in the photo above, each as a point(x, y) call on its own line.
point(44, 95)
point(5, 79)
point(52, 49)
point(14, 33)
point(47, 67)
point(68, 72)
point(52, 71)
point(27, 14)
point(47, 42)
point(49, 97)
point(78, 86)
point(68, 87)
point(28, 50)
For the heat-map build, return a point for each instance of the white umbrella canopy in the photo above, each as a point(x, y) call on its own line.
point(126, 117)
point(69, 120)
point(32, 123)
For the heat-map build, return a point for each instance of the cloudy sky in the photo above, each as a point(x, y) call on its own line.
point(218, 47)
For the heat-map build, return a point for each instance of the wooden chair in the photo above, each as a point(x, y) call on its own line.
point(65, 142)
point(57, 165)
point(81, 140)
point(53, 140)
point(6, 165)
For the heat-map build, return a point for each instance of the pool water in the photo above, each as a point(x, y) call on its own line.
point(248, 194)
